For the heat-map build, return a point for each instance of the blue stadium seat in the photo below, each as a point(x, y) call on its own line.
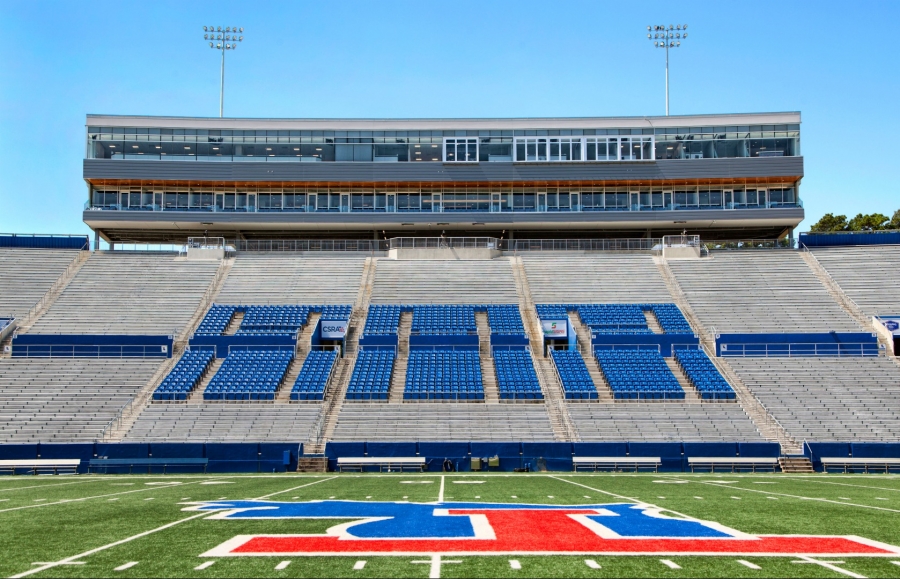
point(185, 376)
point(638, 375)
point(371, 378)
point(249, 375)
point(505, 320)
point(443, 320)
point(573, 373)
point(516, 378)
point(313, 376)
point(443, 375)
point(704, 375)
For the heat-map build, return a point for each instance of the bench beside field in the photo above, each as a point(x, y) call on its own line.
point(41, 465)
point(848, 465)
point(733, 463)
point(392, 463)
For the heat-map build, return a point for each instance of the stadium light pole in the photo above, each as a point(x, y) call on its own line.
point(667, 37)
point(223, 38)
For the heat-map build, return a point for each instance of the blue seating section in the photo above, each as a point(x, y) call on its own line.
point(310, 383)
point(638, 375)
point(216, 320)
point(619, 318)
point(505, 320)
point(614, 318)
point(671, 319)
point(443, 375)
point(333, 313)
point(273, 320)
point(573, 374)
point(249, 375)
point(383, 320)
point(443, 320)
point(371, 378)
point(185, 376)
point(516, 378)
point(704, 375)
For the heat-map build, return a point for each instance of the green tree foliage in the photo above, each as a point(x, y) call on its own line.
point(829, 223)
point(862, 222)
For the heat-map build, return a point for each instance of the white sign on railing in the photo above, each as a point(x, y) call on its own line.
point(334, 330)
point(554, 328)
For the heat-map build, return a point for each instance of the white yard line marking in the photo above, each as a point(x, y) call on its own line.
point(441, 499)
point(282, 565)
point(736, 498)
point(592, 564)
point(294, 488)
point(635, 500)
point(359, 565)
point(39, 500)
point(435, 562)
point(74, 558)
point(468, 482)
point(830, 565)
point(203, 566)
point(670, 564)
point(514, 564)
point(880, 499)
point(128, 565)
point(896, 562)
point(806, 498)
point(749, 565)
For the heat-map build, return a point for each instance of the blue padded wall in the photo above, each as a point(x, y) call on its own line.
point(759, 449)
point(123, 450)
point(600, 448)
point(874, 450)
point(391, 449)
point(710, 449)
point(178, 450)
point(18, 451)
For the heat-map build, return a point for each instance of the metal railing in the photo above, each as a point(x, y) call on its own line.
point(799, 350)
point(626, 244)
point(746, 244)
point(91, 350)
point(312, 245)
point(444, 242)
point(681, 240)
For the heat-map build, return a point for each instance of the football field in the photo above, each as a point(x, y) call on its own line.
point(450, 525)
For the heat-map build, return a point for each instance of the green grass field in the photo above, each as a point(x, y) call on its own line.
point(96, 524)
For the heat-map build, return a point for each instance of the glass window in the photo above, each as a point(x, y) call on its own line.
point(458, 150)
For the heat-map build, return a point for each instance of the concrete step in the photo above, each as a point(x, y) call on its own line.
point(653, 322)
point(795, 465)
point(312, 464)
point(489, 380)
point(283, 394)
point(196, 397)
point(234, 323)
point(398, 381)
point(690, 391)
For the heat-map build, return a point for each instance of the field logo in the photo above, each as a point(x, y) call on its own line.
point(382, 528)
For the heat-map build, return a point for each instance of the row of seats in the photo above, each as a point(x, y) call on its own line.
point(505, 320)
point(638, 374)
point(704, 375)
point(267, 320)
point(443, 375)
point(249, 375)
point(671, 320)
point(443, 320)
point(185, 376)
point(313, 376)
point(216, 320)
point(516, 378)
point(383, 320)
point(573, 374)
point(371, 378)
point(620, 318)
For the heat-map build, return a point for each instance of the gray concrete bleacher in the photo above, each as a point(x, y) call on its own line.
point(443, 422)
point(224, 423)
point(282, 279)
point(663, 422)
point(66, 400)
point(27, 274)
point(828, 399)
point(121, 292)
point(759, 291)
point(609, 278)
point(867, 274)
point(444, 282)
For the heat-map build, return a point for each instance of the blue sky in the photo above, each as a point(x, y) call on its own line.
point(834, 62)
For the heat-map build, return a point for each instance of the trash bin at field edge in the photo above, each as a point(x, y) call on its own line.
point(476, 463)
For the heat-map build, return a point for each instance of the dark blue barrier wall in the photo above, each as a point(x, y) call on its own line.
point(874, 450)
point(391, 449)
point(854, 238)
point(710, 449)
point(91, 346)
point(18, 451)
point(813, 344)
point(250, 342)
point(759, 449)
point(600, 448)
point(670, 453)
point(556, 455)
point(46, 241)
point(436, 452)
point(508, 340)
point(510, 453)
point(664, 341)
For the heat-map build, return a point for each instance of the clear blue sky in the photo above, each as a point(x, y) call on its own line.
point(833, 61)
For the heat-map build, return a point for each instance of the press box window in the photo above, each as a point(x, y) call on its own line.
point(460, 150)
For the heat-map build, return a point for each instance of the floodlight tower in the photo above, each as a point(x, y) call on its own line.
point(667, 37)
point(223, 38)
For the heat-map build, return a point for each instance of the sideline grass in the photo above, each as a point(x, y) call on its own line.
point(44, 519)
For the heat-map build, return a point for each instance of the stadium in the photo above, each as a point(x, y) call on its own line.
point(533, 340)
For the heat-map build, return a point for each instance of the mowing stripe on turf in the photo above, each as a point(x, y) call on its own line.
point(78, 482)
point(825, 482)
point(802, 498)
point(66, 501)
point(293, 488)
point(73, 558)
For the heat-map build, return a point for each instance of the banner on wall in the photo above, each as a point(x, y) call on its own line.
point(554, 328)
point(892, 325)
point(334, 330)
